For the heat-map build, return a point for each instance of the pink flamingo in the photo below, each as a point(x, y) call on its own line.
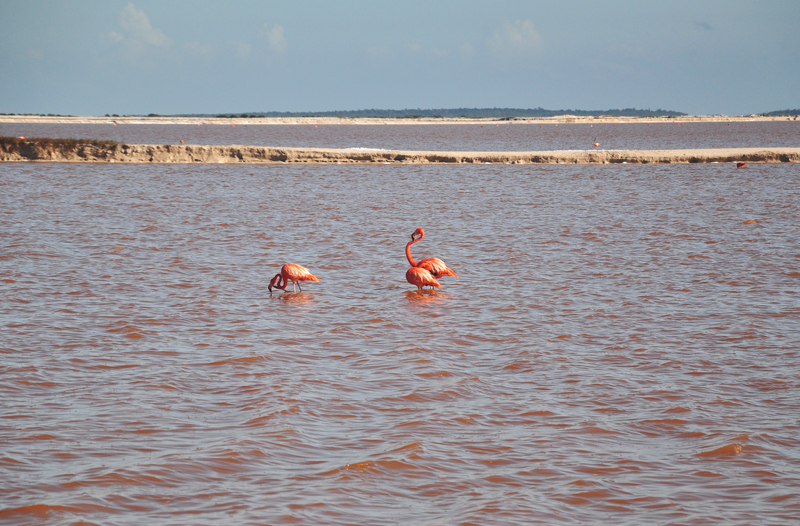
point(435, 266)
point(421, 277)
point(291, 272)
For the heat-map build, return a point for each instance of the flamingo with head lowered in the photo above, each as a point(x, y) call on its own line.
point(421, 277)
point(291, 272)
point(435, 266)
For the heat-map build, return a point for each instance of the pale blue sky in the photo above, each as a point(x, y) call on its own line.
point(107, 56)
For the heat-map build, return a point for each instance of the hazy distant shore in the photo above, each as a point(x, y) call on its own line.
point(71, 150)
point(562, 119)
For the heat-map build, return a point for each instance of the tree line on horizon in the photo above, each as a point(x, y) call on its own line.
point(784, 113)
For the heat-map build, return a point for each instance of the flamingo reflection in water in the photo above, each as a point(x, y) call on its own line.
point(298, 298)
point(425, 297)
point(295, 274)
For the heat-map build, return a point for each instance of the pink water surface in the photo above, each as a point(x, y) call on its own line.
point(622, 346)
point(440, 137)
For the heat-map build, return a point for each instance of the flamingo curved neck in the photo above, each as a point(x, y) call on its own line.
point(408, 253)
point(276, 282)
point(408, 246)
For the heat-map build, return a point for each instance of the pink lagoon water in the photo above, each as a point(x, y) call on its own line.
point(622, 346)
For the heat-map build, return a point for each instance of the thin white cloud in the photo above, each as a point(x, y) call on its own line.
point(137, 27)
point(276, 36)
point(112, 36)
point(516, 39)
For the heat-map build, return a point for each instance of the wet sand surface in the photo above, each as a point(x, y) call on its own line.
point(621, 346)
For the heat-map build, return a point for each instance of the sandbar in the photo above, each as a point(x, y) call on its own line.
point(51, 150)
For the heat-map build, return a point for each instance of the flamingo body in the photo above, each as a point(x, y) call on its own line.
point(291, 272)
point(435, 266)
point(421, 277)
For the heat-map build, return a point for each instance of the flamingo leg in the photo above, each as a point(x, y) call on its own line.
point(299, 287)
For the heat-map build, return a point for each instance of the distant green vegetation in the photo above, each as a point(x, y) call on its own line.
point(783, 113)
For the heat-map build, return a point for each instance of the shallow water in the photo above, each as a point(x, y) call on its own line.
point(441, 137)
point(621, 346)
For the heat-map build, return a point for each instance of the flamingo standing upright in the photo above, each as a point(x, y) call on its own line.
point(421, 277)
point(291, 272)
point(435, 266)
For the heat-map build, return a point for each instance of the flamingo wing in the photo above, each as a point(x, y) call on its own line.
point(437, 267)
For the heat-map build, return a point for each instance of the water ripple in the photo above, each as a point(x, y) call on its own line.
point(621, 345)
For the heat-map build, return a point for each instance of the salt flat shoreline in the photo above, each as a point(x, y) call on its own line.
point(87, 152)
point(561, 119)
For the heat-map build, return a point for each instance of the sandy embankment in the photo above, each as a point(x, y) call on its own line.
point(21, 151)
